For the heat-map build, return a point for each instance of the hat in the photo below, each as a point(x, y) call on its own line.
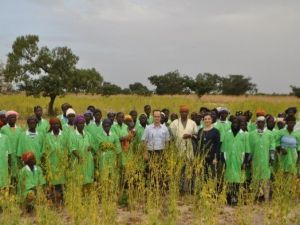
point(70, 111)
point(260, 118)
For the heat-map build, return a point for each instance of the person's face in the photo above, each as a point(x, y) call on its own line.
point(120, 118)
point(31, 162)
point(193, 116)
point(260, 125)
point(214, 116)
point(198, 119)
point(55, 126)
point(223, 115)
point(156, 117)
point(80, 125)
point(31, 124)
point(111, 117)
point(71, 118)
point(290, 113)
point(12, 119)
point(271, 123)
point(98, 116)
point(290, 125)
point(167, 113)
point(147, 110)
point(174, 116)
point(243, 125)
point(92, 109)
point(87, 117)
point(143, 120)
point(133, 115)
point(235, 125)
point(3, 119)
point(65, 108)
point(38, 112)
point(184, 114)
point(106, 127)
point(162, 118)
point(207, 120)
point(280, 125)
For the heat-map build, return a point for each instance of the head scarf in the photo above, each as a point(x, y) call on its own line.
point(260, 112)
point(89, 112)
point(27, 156)
point(78, 119)
point(54, 120)
point(260, 118)
point(183, 108)
point(2, 112)
point(293, 109)
point(11, 112)
point(70, 111)
point(128, 118)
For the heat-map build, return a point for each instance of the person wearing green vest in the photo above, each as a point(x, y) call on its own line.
point(140, 127)
point(69, 127)
point(89, 121)
point(234, 147)
point(81, 150)
point(120, 129)
point(147, 110)
point(42, 124)
point(30, 181)
point(31, 140)
point(288, 146)
point(262, 150)
point(134, 115)
point(108, 151)
point(4, 150)
point(222, 124)
point(56, 160)
point(12, 131)
point(96, 126)
point(63, 117)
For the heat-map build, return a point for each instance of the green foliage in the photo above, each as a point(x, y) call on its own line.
point(171, 83)
point(295, 91)
point(237, 85)
point(206, 84)
point(85, 81)
point(110, 89)
point(139, 89)
point(48, 73)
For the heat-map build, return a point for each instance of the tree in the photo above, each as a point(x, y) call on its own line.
point(295, 91)
point(110, 89)
point(4, 86)
point(41, 71)
point(171, 83)
point(139, 89)
point(206, 84)
point(237, 85)
point(85, 81)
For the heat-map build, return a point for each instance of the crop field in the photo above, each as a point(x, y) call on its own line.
point(157, 199)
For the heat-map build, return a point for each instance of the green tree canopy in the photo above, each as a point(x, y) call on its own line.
point(237, 85)
point(139, 89)
point(171, 83)
point(110, 89)
point(206, 84)
point(48, 73)
point(295, 91)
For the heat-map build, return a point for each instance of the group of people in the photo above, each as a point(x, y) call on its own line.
point(95, 148)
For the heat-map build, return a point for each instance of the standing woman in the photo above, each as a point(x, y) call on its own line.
point(4, 149)
point(208, 146)
point(42, 124)
point(288, 146)
point(12, 131)
point(69, 127)
point(56, 160)
point(81, 147)
point(32, 140)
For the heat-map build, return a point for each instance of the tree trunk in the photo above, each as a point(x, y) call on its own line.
point(50, 105)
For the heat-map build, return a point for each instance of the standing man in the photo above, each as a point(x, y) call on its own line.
point(147, 110)
point(182, 130)
point(155, 137)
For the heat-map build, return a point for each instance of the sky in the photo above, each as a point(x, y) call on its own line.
point(129, 40)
